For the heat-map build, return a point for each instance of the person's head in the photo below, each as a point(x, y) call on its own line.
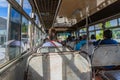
point(84, 37)
point(107, 34)
point(93, 36)
point(80, 38)
point(46, 40)
point(52, 34)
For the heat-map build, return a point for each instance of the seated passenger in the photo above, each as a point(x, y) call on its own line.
point(70, 42)
point(52, 39)
point(81, 43)
point(107, 35)
point(93, 38)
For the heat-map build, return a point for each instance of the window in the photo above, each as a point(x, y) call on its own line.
point(99, 34)
point(112, 23)
point(82, 31)
point(27, 7)
point(37, 20)
point(14, 48)
point(91, 28)
point(119, 21)
point(36, 37)
point(3, 30)
point(98, 26)
point(116, 34)
point(18, 1)
point(24, 33)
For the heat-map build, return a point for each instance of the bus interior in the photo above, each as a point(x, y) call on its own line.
point(25, 24)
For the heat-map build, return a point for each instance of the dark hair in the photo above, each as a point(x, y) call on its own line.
point(52, 34)
point(80, 37)
point(107, 34)
point(84, 37)
point(93, 36)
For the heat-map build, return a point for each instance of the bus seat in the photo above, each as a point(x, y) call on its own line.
point(57, 66)
point(52, 49)
point(106, 55)
point(110, 75)
point(88, 49)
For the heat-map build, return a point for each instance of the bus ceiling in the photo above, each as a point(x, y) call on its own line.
point(73, 12)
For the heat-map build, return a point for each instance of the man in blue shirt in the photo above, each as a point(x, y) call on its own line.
point(107, 35)
point(81, 43)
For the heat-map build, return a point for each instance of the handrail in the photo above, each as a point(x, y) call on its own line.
point(14, 61)
point(10, 63)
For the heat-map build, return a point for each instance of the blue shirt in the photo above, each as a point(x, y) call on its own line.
point(80, 44)
point(105, 41)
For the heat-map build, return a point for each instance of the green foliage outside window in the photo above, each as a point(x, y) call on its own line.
point(107, 24)
point(24, 28)
point(99, 34)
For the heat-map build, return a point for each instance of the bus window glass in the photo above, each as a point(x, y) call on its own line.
point(91, 28)
point(83, 31)
point(36, 37)
point(37, 20)
point(99, 34)
point(24, 33)
point(14, 48)
point(112, 23)
point(119, 21)
point(116, 34)
point(98, 26)
point(3, 30)
point(18, 1)
point(39, 37)
point(27, 7)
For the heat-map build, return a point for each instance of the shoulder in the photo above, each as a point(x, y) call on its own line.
point(57, 44)
point(114, 41)
point(109, 41)
point(47, 44)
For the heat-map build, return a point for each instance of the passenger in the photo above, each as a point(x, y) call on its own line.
point(107, 35)
point(81, 43)
point(93, 38)
point(80, 38)
point(73, 38)
point(70, 42)
point(46, 40)
point(53, 39)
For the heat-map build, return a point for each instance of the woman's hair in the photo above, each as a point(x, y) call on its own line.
point(107, 34)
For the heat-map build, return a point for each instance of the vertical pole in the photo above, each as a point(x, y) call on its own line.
point(87, 27)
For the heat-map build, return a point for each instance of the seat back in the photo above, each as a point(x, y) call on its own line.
point(106, 55)
point(88, 48)
point(52, 49)
point(57, 66)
